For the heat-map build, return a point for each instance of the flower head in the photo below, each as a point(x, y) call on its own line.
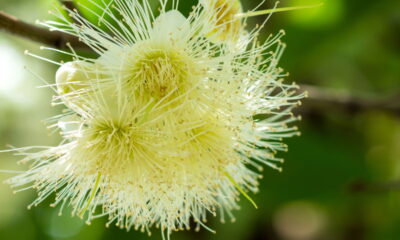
point(166, 125)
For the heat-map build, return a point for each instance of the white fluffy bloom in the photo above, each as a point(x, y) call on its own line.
point(166, 125)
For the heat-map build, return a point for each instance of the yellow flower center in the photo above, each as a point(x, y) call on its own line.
point(157, 71)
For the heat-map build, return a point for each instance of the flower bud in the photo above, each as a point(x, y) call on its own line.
point(73, 82)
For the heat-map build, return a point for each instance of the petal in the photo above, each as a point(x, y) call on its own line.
point(172, 26)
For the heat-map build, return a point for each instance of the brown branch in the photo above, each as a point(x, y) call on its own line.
point(70, 5)
point(323, 98)
point(358, 187)
point(13, 25)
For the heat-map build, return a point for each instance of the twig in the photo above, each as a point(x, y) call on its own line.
point(13, 25)
point(70, 5)
point(374, 187)
point(323, 97)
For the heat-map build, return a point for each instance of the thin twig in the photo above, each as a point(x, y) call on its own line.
point(327, 98)
point(70, 5)
point(360, 186)
point(13, 25)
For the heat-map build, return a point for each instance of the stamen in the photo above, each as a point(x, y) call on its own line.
point(275, 10)
point(230, 178)
point(92, 194)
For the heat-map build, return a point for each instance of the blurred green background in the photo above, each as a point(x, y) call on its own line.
point(351, 46)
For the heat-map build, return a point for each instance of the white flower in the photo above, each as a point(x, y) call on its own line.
point(166, 124)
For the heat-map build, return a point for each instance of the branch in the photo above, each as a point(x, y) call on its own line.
point(59, 40)
point(70, 5)
point(319, 97)
point(359, 187)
